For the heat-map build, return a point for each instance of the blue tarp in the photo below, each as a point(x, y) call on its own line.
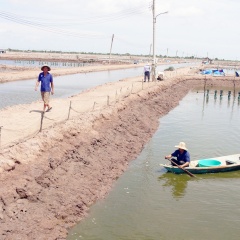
point(214, 72)
point(206, 72)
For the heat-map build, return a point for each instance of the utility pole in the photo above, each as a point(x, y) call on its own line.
point(150, 51)
point(154, 65)
point(0, 136)
point(154, 57)
point(111, 49)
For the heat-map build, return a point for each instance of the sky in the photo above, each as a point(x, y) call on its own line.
point(200, 28)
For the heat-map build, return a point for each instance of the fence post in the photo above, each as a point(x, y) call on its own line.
point(42, 115)
point(205, 82)
point(70, 106)
point(234, 88)
point(94, 105)
point(1, 136)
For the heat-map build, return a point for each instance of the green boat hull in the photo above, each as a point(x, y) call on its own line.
point(228, 164)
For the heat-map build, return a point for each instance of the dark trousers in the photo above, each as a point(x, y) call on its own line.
point(146, 75)
point(177, 162)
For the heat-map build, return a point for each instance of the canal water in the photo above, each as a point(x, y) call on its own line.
point(147, 203)
point(21, 92)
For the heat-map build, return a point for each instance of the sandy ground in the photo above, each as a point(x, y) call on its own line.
point(49, 179)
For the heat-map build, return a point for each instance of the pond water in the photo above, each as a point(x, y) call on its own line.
point(21, 92)
point(147, 203)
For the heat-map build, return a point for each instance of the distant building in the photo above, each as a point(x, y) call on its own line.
point(207, 61)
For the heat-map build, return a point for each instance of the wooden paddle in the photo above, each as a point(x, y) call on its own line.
point(190, 174)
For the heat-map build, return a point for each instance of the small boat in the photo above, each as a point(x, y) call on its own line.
point(210, 165)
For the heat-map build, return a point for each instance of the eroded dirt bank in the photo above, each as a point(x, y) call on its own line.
point(81, 162)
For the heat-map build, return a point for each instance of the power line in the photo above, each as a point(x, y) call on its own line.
point(50, 25)
point(40, 22)
point(45, 27)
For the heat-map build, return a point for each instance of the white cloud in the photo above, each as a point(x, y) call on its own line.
point(80, 7)
point(190, 25)
point(110, 6)
point(190, 11)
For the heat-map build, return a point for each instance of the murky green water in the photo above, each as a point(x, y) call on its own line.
point(147, 203)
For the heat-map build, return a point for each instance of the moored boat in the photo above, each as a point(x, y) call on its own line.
point(210, 165)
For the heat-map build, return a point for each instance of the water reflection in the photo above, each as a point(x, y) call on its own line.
point(219, 176)
point(231, 97)
point(177, 183)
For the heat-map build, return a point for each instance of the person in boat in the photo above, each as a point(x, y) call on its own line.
point(182, 155)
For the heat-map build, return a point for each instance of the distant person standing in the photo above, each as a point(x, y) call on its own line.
point(147, 70)
point(47, 86)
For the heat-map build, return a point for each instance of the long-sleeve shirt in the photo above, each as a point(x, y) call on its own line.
point(147, 68)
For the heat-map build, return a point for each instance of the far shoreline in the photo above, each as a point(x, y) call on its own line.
point(15, 73)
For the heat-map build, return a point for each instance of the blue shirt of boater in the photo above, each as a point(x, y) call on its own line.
point(45, 82)
point(185, 156)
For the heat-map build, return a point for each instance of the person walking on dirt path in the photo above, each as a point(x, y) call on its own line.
point(147, 70)
point(47, 86)
point(182, 155)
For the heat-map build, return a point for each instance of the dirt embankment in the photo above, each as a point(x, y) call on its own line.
point(80, 160)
